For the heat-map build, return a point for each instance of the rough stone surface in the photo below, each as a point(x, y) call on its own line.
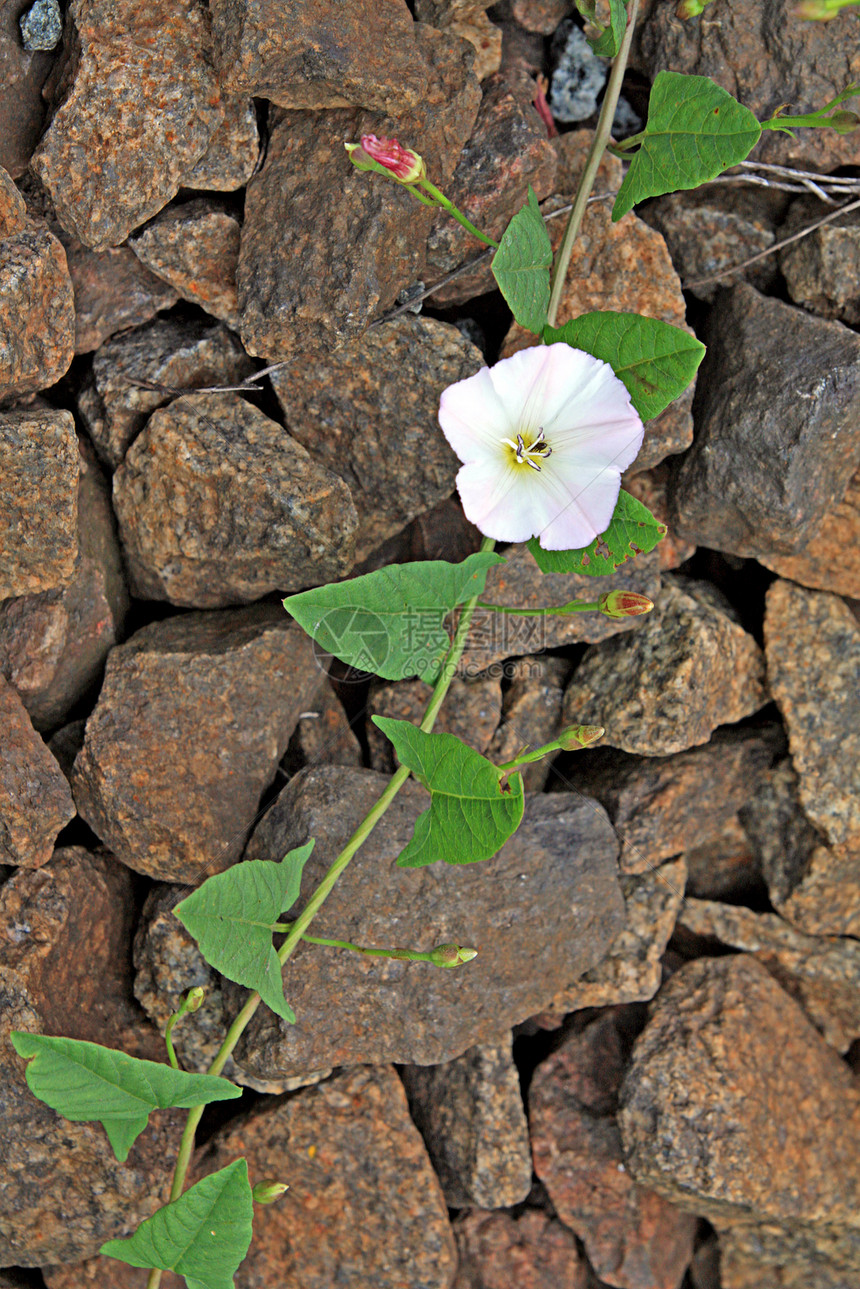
point(831, 560)
point(234, 146)
point(666, 686)
point(812, 642)
point(725, 866)
point(192, 720)
point(557, 871)
point(470, 1113)
point(520, 584)
point(35, 802)
point(741, 1268)
point(39, 466)
point(113, 292)
point(507, 150)
point(777, 427)
point(822, 269)
point(632, 1237)
point(381, 435)
point(542, 16)
point(471, 712)
point(363, 1206)
point(531, 713)
point(53, 645)
point(531, 1250)
point(821, 972)
point(171, 352)
point(13, 207)
point(765, 57)
point(195, 248)
point(298, 292)
point(109, 161)
point(631, 971)
point(217, 505)
point(324, 734)
point(37, 315)
point(724, 1048)
point(22, 110)
point(467, 19)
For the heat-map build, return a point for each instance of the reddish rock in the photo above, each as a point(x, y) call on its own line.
point(195, 248)
point(22, 110)
point(53, 645)
point(233, 150)
point(139, 103)
point(369, 412)
point(542, 16)
point(324, 734)
point(831, 559)
point(531, 713)
point(113, 292)
point(741, 1267)
point(13, 207)
point(531, 1250)
point(35, 802)
point(37, 317)
point(39, 466)
point(633, 1238)
point(471, 712)
point(217, 505)
point(194, 715)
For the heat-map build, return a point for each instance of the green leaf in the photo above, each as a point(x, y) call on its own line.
point(470, 816)
point(232, 917)
point(608, 42)
point(390, 622)
point(203, 1235)
point(694, 131)
point(655, 360)
point(521, 265)
point(83, 1081)
point(633, 531)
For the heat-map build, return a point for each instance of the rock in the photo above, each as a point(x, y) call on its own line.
point(35, 802)
point(507, 150)
point(470, 1113)
point(22, 110)
point(831, 560)
point(531, 1250)
point(821, 270)
point(384, 1009)
point(632, 969)
point(298, 293)
point(53, 645)
point(821, 973)
point(324, 734)
point(234, 147)
point(217, 505)
point(651, 488)
point(812, 643)
point(578, 76)
point(381, 435)
point(195, 248)
point(520, 584)
point(65, 744)
point(469, 21)
point(363, 1205)
point(765, 57)
point(531, 713)
point(171, 352)
point(37, 316)
point(740, 1268)
point(194, 715)
point(777, 427)
point(113, 292)
point(632, 1237)
point(542, 16)
point(42, 25)
point(39, 466)
point(108, 160)
point(665, 687)
point(472, 712)
point(725, 867)
point(13, 207)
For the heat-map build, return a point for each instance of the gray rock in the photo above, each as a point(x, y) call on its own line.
point(578, 77)
point(35, 802)
point(822, 269)
point(531, 714)
point(37, 315)
point(234, 147)
point(39, 466)
point(41, 25)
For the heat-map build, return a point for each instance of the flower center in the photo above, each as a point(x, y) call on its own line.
point(525, 452)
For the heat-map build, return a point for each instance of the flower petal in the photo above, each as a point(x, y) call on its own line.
point(496, 498)
point(473, 417)
point(583, 501)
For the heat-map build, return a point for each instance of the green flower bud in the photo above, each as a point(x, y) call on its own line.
point(579, 736)
point(194, 999)
point(451, 955)
point(268, 1191)
point(624, 604)
point(843, 122)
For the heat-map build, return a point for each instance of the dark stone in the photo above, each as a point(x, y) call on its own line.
point(777, 427)
point(531, 713)
point(725, 866)
point(471, 712)
point(531, 1250)
point(822, 269)
point(324, 734)
point(35, 802)
point(468, 19)
point(358, 1009)
point(39, 466)
point(217, 505)
point(22, 109)
point(234, 147)
point(831, 559)
point(37, 316)
point(195, 248)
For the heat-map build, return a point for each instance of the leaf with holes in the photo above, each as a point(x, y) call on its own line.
point(633, 531)
point(521, 266)
point(470, 815)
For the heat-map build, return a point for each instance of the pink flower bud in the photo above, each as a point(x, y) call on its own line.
point(403, 163)
point(624, 604)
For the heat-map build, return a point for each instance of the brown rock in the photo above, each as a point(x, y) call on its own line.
point(507, 150)
point(777, 427)
point(542, 16)
point(826, 898)
point(234, 146)
point(821, 973)
point(572, 150)
point(53, 645)
point(651, 488)
point(170, 352)
point(531, 713)
point(217, 505)
point(109, 160)
point(812, 642)
point(666, 686)
point(741, 1268)
point(195, 248)
point(471, 712)
point(381, 434)
point(37, 317)
point(632, 1236)
point(821, 269)
point(192, 720)
point(324, 734)
point(520, 584)
point(831, 560)
point(468, 20)
point(725, 867)
point(39, 466)
point(35, 802)
point(366, 1009)
point(22, 111)
point(470, 1113)
point(532, 1251)
point(13, 208)
point(113, 292)
point(104, 1273)
point(363, 1205)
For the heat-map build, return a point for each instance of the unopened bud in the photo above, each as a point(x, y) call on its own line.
point(401, 163)
point(194, 999)
point(843, 122)
point(691, 8)
point(579, 736)
point(624, 604)
point(267, 1192)
point(451, 955)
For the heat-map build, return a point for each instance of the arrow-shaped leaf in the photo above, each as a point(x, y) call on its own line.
point(633, 531)
point(521, 265)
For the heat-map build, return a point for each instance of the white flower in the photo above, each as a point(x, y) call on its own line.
point(544, 437)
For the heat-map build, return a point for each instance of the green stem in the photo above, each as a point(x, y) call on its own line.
point(322, 892)
point(595, 153)
point(442, 200)
point(407, 955)
point(575, 606)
